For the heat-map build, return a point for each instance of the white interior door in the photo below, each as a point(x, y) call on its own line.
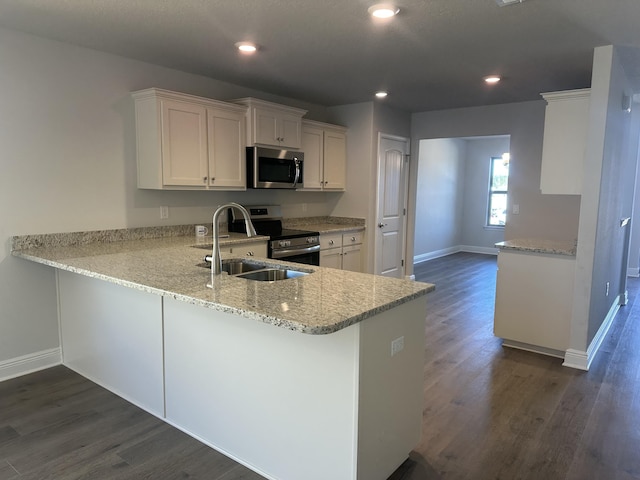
point(393, 156)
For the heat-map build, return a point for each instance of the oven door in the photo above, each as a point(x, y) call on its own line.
point(307, 255)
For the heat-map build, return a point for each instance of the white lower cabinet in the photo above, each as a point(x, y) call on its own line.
point(342, 251)
point(534, 301)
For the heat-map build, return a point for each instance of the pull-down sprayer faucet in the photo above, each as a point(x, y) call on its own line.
point(216, 260)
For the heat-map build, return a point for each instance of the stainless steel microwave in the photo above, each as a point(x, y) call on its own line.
point(273, 168)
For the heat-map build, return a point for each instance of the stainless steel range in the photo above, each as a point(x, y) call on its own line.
point(291, 245)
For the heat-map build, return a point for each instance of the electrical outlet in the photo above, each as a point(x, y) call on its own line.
point(164, 212)
point(397, 345)
point(304, 207)
point(516, 209)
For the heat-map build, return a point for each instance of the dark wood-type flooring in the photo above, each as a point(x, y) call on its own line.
point(490, 412)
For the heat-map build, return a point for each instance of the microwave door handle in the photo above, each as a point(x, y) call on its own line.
point(297, 177)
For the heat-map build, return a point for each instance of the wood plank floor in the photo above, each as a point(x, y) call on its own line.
point(490, 412)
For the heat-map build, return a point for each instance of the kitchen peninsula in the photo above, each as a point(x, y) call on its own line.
point(313, 377)
point(534, 292)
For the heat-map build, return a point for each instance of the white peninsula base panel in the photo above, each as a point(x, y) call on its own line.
point(291, 406)
point(112, 335)
point(534, 295)
point(295, 406)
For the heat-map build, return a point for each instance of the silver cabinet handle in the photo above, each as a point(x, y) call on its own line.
point(249, 254)
point(353, 239)
point(204, 179)
point(330, 242)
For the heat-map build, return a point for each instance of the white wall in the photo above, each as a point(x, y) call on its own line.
point(452, 195)
point(440, 196)
point(68, 164)
point(365, 121)
point(475, 232)
point(607, 197)
point(553, 217)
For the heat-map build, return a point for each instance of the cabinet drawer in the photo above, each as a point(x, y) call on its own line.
point(353, 238)
point(331, 240)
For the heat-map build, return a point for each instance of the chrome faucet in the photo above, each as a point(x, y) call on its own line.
point(216, 259)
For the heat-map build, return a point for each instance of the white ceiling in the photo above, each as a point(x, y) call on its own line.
point(432, 56)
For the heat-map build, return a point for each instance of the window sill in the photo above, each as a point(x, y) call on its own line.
point(494, 227)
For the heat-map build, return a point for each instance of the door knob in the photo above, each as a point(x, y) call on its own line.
point(382, 225)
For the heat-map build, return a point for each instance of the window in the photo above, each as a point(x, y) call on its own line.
point(498, 182)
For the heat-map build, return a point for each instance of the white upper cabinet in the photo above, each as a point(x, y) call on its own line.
point(325, 156)
point(271, 124)
point(189, 143)
point(564, 142)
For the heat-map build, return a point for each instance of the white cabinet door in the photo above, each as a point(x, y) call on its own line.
point(265, 127)
point(564, 141)
point(313, 148)
point(271, 124)
point(290, 130)
point(331, 258)
point(352, 258)
point(227, 165)
point(335, 160)
point(184, 144)
point(325, 156)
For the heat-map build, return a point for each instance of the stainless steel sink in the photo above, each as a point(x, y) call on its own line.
point(255, 270)
point(271, 274)
point(238, 266)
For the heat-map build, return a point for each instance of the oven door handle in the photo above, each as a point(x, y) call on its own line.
point(294, 251)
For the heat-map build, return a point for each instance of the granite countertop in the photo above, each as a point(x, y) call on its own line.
point(326, 224)
point(534, 245)
point(322, 302)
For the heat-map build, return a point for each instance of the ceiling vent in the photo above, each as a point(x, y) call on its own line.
point(504, 3)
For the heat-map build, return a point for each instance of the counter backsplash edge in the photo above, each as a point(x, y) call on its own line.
point(23, 242)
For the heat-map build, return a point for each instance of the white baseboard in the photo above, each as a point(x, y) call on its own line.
point(33, 362)
point(425, 257)
point(532, 348)
point(485, 250)
point(582, 360)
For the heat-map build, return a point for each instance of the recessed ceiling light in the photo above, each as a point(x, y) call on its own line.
point(491, 79)
point(246, 47)
point(381, 94)
point(504, 3)
point(383, 10)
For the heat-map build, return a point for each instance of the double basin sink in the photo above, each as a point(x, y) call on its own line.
point(255, 270)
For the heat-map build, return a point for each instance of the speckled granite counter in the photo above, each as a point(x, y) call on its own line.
point(533, 245)
point(326, 224)
point(323, 302)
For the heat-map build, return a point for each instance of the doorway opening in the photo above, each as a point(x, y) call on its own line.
point(458, 195)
